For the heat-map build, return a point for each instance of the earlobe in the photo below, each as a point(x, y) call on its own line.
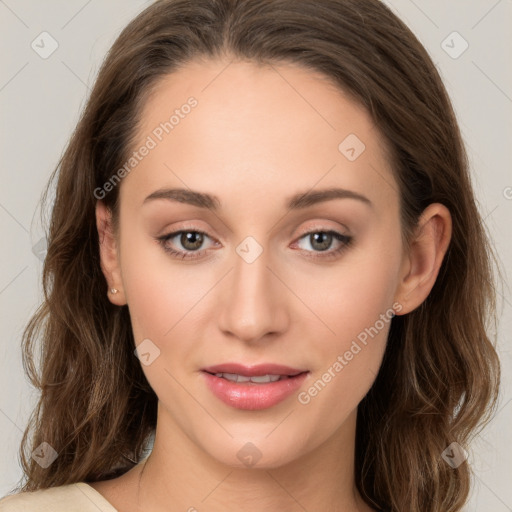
point(109, 255)
point(423, 261)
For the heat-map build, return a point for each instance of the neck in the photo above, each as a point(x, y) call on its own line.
point(178, 473)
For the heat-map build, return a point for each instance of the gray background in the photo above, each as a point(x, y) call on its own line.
point(40, 100)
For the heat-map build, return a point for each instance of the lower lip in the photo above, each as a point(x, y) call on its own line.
point(251, 396)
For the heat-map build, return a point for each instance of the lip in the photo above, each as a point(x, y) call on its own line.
point(255, 370)
point(251, 396)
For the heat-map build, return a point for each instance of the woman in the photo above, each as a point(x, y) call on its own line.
point(266, 266)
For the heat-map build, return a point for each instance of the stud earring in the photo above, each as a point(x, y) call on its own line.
point(113, 290)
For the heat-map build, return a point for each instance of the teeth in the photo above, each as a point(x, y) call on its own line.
point(260, 379)
point(265, 378)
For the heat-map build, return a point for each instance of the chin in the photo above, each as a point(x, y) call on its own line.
point(256, 452)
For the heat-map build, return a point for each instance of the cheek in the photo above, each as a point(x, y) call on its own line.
point(355, 304)
point(352, 296)
point(166, 303)
point(159, 293)
point(161, 300)
point(349, 360)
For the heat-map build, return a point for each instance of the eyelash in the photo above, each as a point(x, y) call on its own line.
point(345, 240)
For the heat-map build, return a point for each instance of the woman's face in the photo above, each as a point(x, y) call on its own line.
point(287, 272)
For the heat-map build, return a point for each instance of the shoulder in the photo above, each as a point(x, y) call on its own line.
point(77, 497)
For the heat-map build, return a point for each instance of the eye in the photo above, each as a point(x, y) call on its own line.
point(190, 240)
point(321, 241)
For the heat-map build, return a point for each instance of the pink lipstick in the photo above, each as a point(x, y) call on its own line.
point(253, 387)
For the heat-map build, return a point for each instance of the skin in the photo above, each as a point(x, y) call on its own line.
point(258, 135)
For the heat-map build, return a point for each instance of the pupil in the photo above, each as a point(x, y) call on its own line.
point(193, 238)
point(323, 238)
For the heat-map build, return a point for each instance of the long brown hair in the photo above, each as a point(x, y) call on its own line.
point(439, 379)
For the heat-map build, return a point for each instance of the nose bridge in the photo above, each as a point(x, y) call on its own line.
point(252, 307)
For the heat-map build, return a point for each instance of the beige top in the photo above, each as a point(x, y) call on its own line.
point(78, 497)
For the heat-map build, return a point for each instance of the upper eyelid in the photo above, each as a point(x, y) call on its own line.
point(315, 227)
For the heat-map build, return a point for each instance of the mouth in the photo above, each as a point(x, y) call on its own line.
point(253, 387)
point(258, 370)
point(255, 379)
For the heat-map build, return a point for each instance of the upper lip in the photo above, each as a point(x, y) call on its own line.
point(253, 371)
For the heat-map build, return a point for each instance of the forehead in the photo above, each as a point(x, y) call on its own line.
point(260, 127)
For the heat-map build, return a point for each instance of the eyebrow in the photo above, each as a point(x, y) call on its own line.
point(295, 202)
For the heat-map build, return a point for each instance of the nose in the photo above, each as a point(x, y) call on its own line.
point(253, 301)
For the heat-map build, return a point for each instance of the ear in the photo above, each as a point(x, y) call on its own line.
point(109, 254)
point(423, 259)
